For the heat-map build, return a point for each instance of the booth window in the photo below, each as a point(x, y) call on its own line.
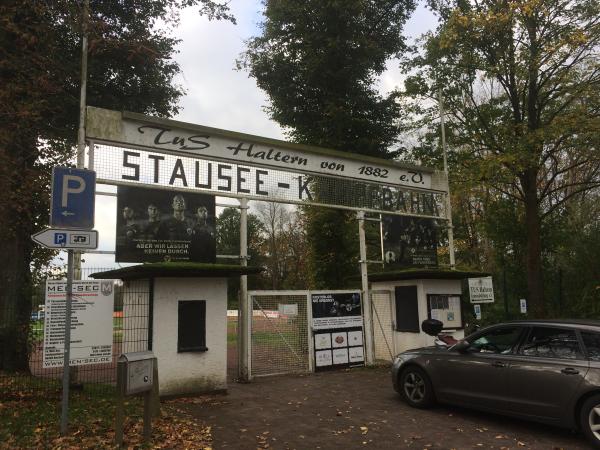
point(445, 308)
point(407, 309)
point(191, 332)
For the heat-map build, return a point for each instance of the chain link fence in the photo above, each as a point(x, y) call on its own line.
point(130, 333)
point(280, 333)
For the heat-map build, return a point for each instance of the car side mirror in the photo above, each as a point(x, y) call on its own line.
point(461, 346)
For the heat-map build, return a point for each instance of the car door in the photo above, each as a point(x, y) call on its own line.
point(546, 372)
point(478, 377)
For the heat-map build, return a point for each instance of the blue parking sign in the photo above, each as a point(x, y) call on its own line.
point(73, 198)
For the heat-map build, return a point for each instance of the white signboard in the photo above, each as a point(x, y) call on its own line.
point(61, 238)
point(288, 309)
point(340, 356)
point(481, 290)
point(356, 354)
point(199, 141)
point(323, 358)
point(523, 305)
point(477, 311)
point(91, 322)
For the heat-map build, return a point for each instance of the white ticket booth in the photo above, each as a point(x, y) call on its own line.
point(179, 312)
point(402, 299)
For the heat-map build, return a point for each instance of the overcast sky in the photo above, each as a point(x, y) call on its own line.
point(219, 96)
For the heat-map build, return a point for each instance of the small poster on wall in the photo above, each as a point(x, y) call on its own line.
point(340, 356)
point(323, 358)
point(339, 339)
point(156, 225)
point(356, 354)
point(322, 340)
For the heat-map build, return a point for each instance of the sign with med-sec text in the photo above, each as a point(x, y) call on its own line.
point(91, 322)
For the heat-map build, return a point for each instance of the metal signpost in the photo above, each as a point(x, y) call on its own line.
point(72, 216)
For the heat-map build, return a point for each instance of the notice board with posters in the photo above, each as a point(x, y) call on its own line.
point(91, 322)
point(337, 325)
point(409, 241)
point(156, 225)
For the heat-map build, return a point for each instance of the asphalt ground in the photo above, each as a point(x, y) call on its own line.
point(357, 408)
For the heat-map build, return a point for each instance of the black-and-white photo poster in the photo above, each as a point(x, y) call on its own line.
point(336, 310)
point(409, 241)
point(156, 225)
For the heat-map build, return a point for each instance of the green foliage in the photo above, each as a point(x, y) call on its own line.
point(130, 67)
point(317, 61)
point(520, 83)
point(228, 243)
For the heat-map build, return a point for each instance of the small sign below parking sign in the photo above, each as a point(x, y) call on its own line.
point(67, 239)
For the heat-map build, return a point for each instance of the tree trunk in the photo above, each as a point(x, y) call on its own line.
point(535, 290)
point(20, 193)
point(15, 303)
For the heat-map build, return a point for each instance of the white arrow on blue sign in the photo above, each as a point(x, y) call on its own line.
point(67, 239)
point(73, 198)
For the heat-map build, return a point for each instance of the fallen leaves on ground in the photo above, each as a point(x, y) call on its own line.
point(171, 430)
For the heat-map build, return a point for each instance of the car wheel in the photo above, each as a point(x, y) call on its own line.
point(590, 420)
point(416, 388)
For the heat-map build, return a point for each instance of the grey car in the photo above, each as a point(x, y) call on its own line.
point(546, 371)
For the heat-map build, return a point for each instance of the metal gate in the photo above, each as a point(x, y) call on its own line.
point(383, 325)
point(280, 333)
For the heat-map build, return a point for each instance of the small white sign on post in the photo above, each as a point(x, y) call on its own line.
point(523, 304)
point(481, 290)
point(477, 311)
point(91, 322)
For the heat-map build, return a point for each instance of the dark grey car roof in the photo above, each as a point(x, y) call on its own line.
point(574, 323)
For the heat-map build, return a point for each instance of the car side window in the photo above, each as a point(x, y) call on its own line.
point(592, 345)
point(557, 343)
point(499, 341)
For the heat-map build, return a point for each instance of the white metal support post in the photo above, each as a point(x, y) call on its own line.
point(245, 307)
point(367, 313)
point(64, 418)
point(448, 203)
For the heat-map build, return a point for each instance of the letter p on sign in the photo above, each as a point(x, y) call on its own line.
point(77, 184)
point(73, 198)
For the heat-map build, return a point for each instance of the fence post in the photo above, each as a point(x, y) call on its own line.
point(367, 313)
point(244, 309)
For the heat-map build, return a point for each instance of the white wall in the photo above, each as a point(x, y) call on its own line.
point(190, 372)
point(405, 341)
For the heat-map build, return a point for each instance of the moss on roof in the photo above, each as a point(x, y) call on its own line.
point(419, 274)
point(177, 269)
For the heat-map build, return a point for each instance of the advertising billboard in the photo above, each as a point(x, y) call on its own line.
point(157, 225)
point(409, 242)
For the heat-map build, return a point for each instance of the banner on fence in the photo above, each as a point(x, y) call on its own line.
point(338, 329)
point(91, 322)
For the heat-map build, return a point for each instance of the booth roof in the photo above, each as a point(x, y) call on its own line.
point(420, 274)
point(176, 269)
